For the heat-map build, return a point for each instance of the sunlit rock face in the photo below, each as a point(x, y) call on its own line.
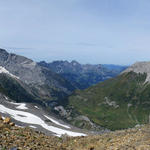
point(140, 67)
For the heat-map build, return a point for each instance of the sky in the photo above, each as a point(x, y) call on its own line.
point(89, 31)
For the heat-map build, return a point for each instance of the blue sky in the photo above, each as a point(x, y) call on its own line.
point(89, 31)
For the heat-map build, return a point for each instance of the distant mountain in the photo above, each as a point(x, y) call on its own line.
point(118, 103)
point(112, 67)
point(83, 76)
point(20, 75)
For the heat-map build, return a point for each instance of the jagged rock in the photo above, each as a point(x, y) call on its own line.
point(6, 120)
point(61, 111)
point(16, 138)
point(92, 148)
point(12, 124)
point(1, 126)
point(1, 117)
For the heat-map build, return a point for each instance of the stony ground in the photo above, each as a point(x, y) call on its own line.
point(16, 138)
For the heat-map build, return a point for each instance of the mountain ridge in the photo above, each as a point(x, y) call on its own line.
point(83, 75)
point(46, 84)
point(117, 103)
point(140, 67)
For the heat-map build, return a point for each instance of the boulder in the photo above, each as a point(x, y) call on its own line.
point(6, 120)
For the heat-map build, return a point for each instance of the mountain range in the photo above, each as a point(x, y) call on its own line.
point(93, 97)
point(24, 81)
point(83, 75)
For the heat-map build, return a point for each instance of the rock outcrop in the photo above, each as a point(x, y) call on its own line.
point(140, 67)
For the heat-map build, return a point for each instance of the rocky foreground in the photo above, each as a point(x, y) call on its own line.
point(16, 138)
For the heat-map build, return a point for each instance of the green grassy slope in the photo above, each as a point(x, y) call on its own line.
point(117, 103)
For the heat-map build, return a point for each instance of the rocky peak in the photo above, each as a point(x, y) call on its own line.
point(3, 51)
point(6, 58)
point(74, 63)
point(140, 67)
point(3, 56)
point(34, 75)
point(20, 66)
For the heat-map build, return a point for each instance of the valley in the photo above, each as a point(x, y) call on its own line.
point(117, 103)
point(74, 75)
point(39, 96)
point(25, 81)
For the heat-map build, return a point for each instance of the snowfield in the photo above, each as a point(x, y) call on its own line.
point(21, 105)
point(32, 119)
point(3, 70)
point(56, 122)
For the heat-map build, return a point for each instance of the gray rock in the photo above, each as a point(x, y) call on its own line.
point(44, 83)
point(140, 67)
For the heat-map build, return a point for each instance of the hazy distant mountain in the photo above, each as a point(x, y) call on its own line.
point(117, 103)
point(83, 76)
point(112, 67)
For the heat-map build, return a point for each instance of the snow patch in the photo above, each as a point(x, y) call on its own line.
point(56, 122)
point(22, 106)
point(19, 126)
point(6, 97)
point(36, 107)
point(3, 117)
point(33, 119)
point(3, 70)
point(33, 127)
point(14, 103)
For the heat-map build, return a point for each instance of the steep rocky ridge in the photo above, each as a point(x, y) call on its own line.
point(140, 67)
point(44, 83)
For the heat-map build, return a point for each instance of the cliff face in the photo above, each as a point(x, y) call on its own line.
point(45, 83)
